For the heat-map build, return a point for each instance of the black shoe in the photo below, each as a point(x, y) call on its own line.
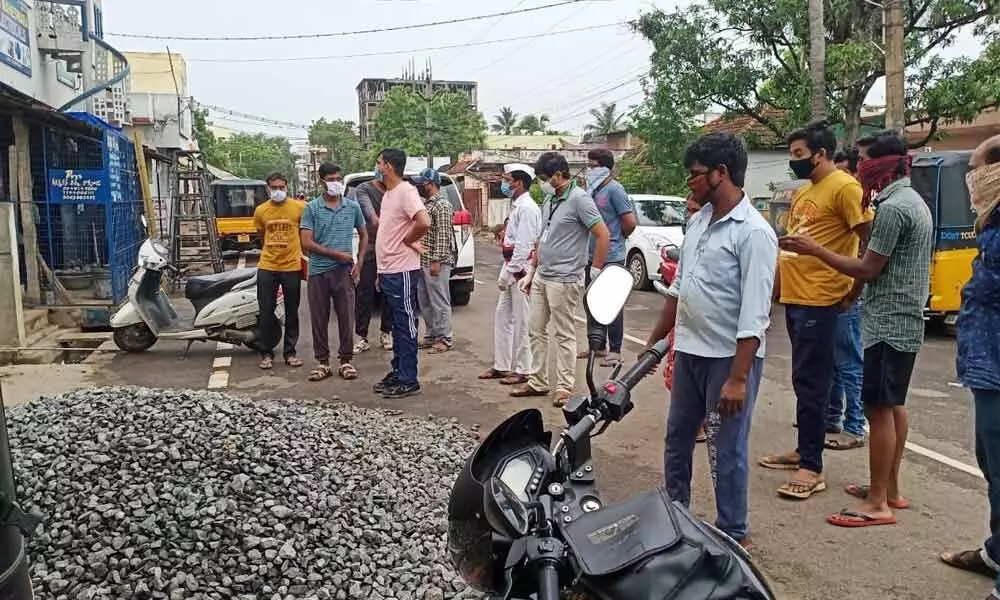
point(401, 390)
point(387, 382)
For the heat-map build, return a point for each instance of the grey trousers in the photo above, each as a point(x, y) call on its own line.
point(434, 299)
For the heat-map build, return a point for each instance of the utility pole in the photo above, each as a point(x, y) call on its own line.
point(895, 66)
point(87, 60)
point(817, 58)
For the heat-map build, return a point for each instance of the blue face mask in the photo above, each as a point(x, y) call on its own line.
point(595, 175)
point(377, 174)
point(505, 189)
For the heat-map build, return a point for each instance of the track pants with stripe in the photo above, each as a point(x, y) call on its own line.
point(400, 291)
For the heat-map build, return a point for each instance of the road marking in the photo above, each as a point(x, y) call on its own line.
point(218, 380)
point(222, 362)
point(628, 337)
point(955, 384)
point(241, 262)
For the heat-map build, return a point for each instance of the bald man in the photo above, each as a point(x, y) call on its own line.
point(978, 346)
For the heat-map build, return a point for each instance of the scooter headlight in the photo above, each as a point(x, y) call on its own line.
point(160, 249)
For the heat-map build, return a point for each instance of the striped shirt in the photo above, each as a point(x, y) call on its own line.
point(439, 241)
point(333, 228)
point(894, 301)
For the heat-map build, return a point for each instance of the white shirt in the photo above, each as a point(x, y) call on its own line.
point(524, 225)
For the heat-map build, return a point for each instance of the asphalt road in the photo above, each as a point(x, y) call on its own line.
point(805, 557)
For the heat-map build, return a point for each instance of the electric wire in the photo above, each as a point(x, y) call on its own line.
point(305, 36)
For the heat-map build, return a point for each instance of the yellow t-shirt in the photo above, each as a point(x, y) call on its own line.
point(828, 211)
point(281, 248)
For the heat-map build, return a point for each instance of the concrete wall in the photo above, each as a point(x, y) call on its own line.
point(156, 115)
point(151, 73)
point(766, 167)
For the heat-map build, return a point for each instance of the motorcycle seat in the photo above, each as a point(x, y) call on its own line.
point(216, 284)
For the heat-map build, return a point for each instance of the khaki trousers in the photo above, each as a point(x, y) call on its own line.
point(553, 305)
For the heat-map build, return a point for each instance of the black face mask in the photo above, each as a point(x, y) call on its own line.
point(803, 167)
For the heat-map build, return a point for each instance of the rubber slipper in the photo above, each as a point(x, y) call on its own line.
point(494, 374)
point(860, 491)
point(853, 518)
point(528, 392)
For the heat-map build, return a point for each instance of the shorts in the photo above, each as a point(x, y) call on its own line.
point(887, 375)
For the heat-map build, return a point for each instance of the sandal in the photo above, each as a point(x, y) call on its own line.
point(844, 441)
point(854, 518)
point(492, 373)
point(801, 489)
point(968, 560)
point(561, 398)
point(266, 363)
point(320, 373)
point(293, 361)
point(514, 379)
point(361, 345)
point(861, 492)
point(439, 347)
point(780, 462)
point(425, 344)
point(526, 391)
point(347, 372)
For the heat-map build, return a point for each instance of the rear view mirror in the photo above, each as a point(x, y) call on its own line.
point(608, 293)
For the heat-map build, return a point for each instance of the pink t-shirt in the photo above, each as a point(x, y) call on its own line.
point(399, 206)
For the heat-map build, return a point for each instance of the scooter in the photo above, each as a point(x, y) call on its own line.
point(225, 306)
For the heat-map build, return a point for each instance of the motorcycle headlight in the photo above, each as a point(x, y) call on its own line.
point(160, 249)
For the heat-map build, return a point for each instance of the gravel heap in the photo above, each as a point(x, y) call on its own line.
point(149, 493)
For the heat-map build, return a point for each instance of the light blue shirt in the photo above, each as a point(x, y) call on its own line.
point(724, 281)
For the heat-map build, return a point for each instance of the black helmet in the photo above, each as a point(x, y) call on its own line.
point(476, 553)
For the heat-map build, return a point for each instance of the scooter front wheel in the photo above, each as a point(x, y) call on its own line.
point(134, 338)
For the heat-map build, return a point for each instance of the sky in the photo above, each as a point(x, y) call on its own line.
point(561, 73)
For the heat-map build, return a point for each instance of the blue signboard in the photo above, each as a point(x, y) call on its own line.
point(15, 44)
point(77, 186)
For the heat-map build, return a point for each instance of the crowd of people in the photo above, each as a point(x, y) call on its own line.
point(406, 249)
point(852, 268)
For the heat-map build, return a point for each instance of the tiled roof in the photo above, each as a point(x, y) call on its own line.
point(747, 126)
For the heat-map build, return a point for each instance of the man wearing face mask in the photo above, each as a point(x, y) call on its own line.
point(719, 304)
point(555, 277)
point(511, 345)
point(434, 289)
point(280, 265)
point(619, 216)
point(328, 226)
point(829, 209)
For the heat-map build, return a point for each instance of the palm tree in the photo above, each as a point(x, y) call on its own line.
point(606, 119)
point(532, 124)
point(505, 122)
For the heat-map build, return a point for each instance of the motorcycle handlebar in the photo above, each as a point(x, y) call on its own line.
point(649, 359)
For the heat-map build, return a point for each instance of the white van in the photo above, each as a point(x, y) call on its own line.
point(463, 273)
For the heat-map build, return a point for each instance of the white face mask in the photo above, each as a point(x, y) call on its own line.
point(335, 188)
point(547, 188)
point(278, 195)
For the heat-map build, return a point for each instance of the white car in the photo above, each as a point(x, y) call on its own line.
point(659, 223)
point(463, 273)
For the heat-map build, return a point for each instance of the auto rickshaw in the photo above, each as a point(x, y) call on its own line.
point(781, 203)
point(235, 201)
point(940, 178)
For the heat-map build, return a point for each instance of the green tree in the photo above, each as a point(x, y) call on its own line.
point(256, 155)
point(505, 122)
point(751, 58)
point(455, 127)
point(533, 124)
point(339, 138)
point(606, 119)
point(207, 142)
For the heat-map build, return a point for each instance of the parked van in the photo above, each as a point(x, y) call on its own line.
point(463, 273)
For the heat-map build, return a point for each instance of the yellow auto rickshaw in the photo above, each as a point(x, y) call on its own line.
point(939, 177)
point(235, 201)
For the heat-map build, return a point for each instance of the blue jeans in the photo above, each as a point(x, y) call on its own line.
point(988, 457)
point(845, 410)
point(400, 290)
point(811, 329)
point(696, 388)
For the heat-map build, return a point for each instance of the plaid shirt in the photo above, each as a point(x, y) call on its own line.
point(439, 241)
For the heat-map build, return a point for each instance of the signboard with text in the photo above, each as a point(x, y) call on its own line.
point(15, 43)
point(80, 186)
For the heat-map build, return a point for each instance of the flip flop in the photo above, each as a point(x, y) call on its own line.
point(860, 491)
point(843, 441)
point(494, 374)
point(853, 518)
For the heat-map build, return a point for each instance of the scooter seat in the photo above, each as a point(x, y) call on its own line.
point(217, 284)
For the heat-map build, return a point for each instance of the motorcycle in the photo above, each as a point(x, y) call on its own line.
point(526, 521)
point(225, 305)
point(670, 256)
